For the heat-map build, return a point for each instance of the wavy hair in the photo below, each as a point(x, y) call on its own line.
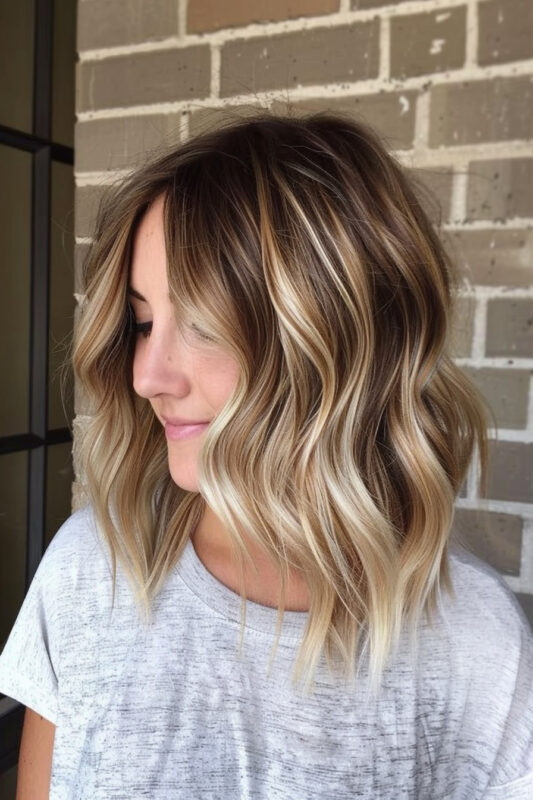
point(302, 247)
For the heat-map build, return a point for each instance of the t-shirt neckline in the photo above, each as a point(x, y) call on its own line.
point(227, 603)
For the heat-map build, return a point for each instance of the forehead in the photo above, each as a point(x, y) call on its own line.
point(148, 256)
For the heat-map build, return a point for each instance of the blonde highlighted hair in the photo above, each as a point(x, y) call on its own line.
point(300, 246)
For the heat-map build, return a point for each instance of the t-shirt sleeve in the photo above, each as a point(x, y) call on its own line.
point(512, 777)
point(29, 662)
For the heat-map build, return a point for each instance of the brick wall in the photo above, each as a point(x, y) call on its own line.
point(449, 85)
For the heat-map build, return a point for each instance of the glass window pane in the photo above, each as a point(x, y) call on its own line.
point(59, 479)
point(16, 64)
point(13, 481)
point(63, 69)
point(61, 407)
point(15, 250)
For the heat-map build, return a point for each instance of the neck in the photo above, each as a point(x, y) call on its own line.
point(213, 547)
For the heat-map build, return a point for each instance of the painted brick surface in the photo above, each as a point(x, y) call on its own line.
point(87, 201)
point(507, 392)
point(122, 142)
point(526, 601)
point(428, 42)
point(447, 86)
point(481, 111)
point(80, 254)
point(106, 24)
point(154, 77)
point(359, 5)
point(505, 31)
point(79, 496)
point(499, 190)
point(463, 327)
point(79, 426)
point(211, 15)
point(392, 114)
point(436, 197)
point(285, 61)
point(511, 473)
point(510, 327)
point(494, 257)
point(203, 119)
point(82, 406)
point(497, 538)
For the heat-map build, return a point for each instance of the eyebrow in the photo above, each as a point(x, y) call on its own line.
point(136, 294)
point(139, 296)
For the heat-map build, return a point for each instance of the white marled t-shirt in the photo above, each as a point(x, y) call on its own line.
point(169, 711)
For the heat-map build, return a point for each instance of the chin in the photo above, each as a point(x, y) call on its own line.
point(184, 475)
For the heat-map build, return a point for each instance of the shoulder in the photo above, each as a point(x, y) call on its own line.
point(485, 622)
point(493, 641)
point(77, 533)
point(76, 558)
point(483, 594)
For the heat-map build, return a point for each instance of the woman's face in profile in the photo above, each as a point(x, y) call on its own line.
point(184, 377)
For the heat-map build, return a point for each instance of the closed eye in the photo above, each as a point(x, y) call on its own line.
point(201, 335)
point(143, 328)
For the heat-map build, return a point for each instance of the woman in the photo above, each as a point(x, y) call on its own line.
point(265, 344)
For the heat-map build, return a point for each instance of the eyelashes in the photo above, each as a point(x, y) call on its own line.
point(145, 328)
point(203, 336)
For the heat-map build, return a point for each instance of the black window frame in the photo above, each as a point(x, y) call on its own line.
point(36, 442)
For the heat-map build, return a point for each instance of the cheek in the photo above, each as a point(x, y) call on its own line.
point(136, 372)
point(223, 385)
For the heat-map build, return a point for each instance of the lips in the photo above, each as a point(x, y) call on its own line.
point(184, 431)
point(183, 421)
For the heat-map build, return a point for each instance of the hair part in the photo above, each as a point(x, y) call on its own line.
point(301, 246)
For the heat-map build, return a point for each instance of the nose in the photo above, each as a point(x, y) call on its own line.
point(161, 365)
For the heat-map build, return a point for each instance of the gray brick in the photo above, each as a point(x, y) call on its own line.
point(79, 428)
point(203, 119)
point(493, 257)
point(439, 184)
point(495, 538)
point(511, 472)
point(505, 31)
point(82, 405)
point(507, 391)
point(364, 4)
point(427, 42)
point(81, 252)
point(106, 24)
point(80, 497)
point(315, 56)
point(498, 190)
point(211, 15)
point(143, 78)
point(462, 327)
point(87, 201)
point(481, 111)
point(510, 327)
point(123, 142)
point(391, 114)
point(526, 601)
